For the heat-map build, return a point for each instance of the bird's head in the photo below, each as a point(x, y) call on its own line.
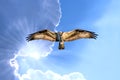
point(60, 32)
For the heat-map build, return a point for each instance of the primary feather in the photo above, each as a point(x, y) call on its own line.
point(44, 34)
point(77, 34)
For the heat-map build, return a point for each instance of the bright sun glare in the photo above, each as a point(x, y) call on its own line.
point(30, 50)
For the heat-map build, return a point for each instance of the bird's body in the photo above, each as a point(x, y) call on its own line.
point(61, 37)
point(60, 40)
point(58, 37)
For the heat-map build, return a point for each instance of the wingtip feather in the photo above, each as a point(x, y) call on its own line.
point(29, 38)
point(94, 35)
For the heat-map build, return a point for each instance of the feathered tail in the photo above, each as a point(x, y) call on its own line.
point(61, 45)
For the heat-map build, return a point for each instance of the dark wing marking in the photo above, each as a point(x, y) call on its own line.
point(44, 34)
point(77, 34)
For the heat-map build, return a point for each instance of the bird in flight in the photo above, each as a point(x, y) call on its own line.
point(62, 37)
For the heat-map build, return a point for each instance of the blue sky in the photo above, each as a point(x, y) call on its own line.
point(96, 59)
point(41, 60)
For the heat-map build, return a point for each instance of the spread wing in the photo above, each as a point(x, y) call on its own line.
point(77, 34)
point(44, 34)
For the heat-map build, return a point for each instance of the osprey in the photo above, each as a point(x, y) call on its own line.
point(61, 37)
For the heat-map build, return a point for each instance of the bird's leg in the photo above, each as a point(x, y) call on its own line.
point(61, 45)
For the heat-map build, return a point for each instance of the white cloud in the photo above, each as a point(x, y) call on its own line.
point(35, 74)
point(50, 75)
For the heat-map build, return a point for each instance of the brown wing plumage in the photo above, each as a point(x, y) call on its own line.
point(77, 34)
point(44, 34)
